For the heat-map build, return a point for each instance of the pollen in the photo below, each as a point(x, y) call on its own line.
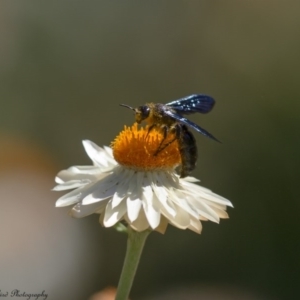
point(137, 148)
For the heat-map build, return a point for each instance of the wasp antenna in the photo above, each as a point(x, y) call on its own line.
point(127, 106)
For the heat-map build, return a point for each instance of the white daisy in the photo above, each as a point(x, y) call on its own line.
point(128, 183)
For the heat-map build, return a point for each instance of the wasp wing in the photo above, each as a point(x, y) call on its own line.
point(190, 124)
point(197, 103)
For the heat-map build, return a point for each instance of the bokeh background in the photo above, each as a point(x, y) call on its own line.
point(64, 68)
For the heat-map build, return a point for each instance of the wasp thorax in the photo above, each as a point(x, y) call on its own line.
point(142, 113)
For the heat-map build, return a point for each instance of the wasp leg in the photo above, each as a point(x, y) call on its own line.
point(149, 129)
point(165, 133)
point(175, 129)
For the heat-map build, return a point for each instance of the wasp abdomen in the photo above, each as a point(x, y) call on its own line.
point(188, 151)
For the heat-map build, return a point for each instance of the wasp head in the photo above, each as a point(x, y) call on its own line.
point(141, 112)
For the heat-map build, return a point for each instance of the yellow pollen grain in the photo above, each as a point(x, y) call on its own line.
point(134, 147)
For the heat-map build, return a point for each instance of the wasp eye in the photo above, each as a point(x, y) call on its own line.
point(145, 110)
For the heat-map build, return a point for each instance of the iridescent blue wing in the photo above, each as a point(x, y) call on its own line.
point(190, 124)
point(193, 104)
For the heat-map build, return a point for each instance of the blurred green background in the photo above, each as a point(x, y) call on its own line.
point(64, 68)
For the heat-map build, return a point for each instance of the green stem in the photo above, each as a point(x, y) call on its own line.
point(135, 244)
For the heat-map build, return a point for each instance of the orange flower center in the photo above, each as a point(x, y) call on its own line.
point(142, 150)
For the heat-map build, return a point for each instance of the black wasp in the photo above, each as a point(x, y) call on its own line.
point(168, 118)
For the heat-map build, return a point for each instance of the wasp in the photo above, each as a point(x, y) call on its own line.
point(169, 119)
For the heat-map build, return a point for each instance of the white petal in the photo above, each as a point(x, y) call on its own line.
point(91, 149)
point(195, 225)
point(80, 211)
point(133, 208)
point(119, 195)
point(68, 199)
point(162, 225)
point(74, 196)
point(153, 216)
point(91, 199)
point(102, 190)
point(204, 209)
point(122, 188)
point(141, 223)
point(134, 202)
point(99, 156)
point(72, 184)
point(169, 180)
point(162, 195)
point(108, 151)
point(214, 204)
point(58, 180)
point(114, 215)
point(182, 219)
point(221, 213)
point(179, 198)
point(147, 191)
point(134, 186)
point(206, 194)
point(84, 170)
point(75, 173)
point(190, 179)
point(175, 193)
point(151, 210)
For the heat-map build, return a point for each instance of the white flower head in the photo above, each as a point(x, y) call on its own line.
point(128, 183)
